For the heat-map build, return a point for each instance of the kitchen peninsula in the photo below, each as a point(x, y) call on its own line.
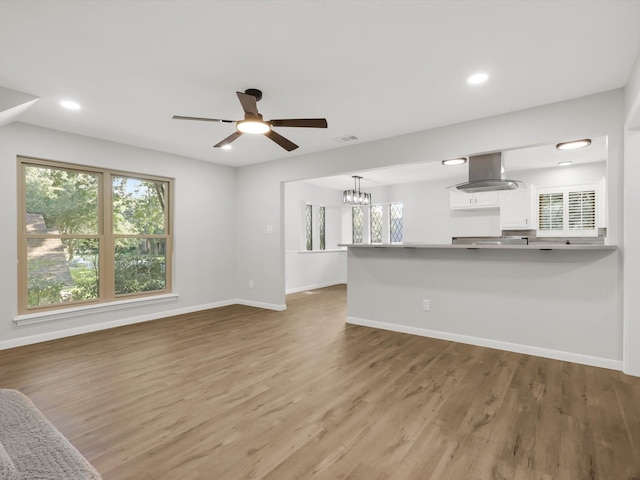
point(535, 246)
point(557, 301)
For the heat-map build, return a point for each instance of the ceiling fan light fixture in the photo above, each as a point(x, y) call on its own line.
point(254, 127)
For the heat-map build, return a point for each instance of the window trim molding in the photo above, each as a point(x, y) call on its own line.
point(79, 311)
point(104, 234)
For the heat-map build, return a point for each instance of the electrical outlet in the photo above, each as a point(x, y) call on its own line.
point(426, 305)
point(250, 283)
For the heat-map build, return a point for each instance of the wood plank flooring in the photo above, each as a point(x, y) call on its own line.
point(242, 393)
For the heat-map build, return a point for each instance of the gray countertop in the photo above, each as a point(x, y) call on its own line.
point(534, 246)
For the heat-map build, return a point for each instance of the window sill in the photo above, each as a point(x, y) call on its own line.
point(66, 313)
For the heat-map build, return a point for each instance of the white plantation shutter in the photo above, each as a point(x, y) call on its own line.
point(568, 211)
point(582, 210)
point(551, 211)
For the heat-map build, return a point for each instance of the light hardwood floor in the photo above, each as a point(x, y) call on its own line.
point(241, 393)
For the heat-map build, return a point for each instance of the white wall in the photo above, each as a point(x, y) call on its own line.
point(586, 173)
point(216, 256)
point(204, 223)
point(307, 270)
point(591, 116)
point(429, 219)
point(631, 224)
point(557, 304)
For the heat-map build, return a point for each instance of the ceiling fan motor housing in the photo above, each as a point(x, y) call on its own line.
point(254, 92)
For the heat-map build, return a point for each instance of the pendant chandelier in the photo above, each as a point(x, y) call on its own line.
point(355, 196)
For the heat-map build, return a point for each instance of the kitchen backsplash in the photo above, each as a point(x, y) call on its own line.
point(531, 234)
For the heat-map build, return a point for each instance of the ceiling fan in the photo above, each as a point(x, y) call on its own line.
point(254, 124)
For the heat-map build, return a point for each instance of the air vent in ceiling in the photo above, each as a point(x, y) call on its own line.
point(345, 139)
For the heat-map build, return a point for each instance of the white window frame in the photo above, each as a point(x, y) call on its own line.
point(565, 190)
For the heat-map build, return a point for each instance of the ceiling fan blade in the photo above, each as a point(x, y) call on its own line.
point(179, 117)
point(300, 122)
point(234, 136)
point(288, 145)
point(249, 104)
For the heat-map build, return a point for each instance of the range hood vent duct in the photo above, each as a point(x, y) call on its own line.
point(485, 175)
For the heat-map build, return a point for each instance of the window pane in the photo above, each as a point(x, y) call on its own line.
point(357, 222)
point(61, 270)
point(61, 201)
point(395, 223)
point(376, 224)
point(551, 211)
point(308, 228)
point(139, 206)
point(140, 265)
point(321, 225)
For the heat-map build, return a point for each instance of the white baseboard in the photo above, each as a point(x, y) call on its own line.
point(313, 287)
point(266, 306)
point(69, 332)
point(497, 344)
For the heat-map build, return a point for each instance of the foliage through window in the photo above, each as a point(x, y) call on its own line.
point(395, 223)
point(90, 235)
point(357, 223)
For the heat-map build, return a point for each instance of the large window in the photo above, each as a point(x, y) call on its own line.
point(567, 211)
point(381, 223)
point(90, 235)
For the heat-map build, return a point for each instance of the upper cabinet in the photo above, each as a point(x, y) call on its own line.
point(461, 200)
point(515, 209)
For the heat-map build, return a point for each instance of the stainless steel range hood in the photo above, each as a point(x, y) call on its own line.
point(485, 175)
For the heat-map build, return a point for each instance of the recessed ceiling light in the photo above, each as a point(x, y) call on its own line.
point(70, 104)
point(454, 161)
point(573, 144)
point(226, 147)
point(565, 164)
point(477, 78)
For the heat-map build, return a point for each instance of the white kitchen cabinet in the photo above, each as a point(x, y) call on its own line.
point(461, 200)
point(515, 209)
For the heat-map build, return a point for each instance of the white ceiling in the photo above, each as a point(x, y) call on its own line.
point(513, 161)
point(373, 69)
